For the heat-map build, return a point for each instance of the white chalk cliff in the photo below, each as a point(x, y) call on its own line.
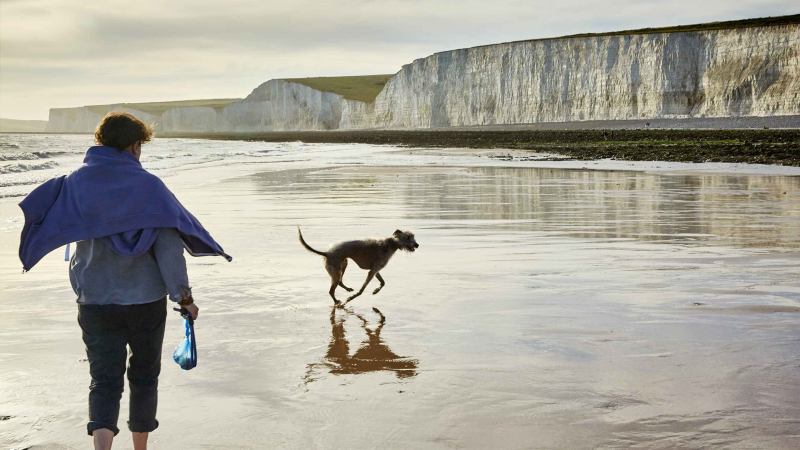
point(720, 73)
point(84, 119)
point(729, 72)
point(279, 105)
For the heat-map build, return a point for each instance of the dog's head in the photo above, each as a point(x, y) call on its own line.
point(405, 240)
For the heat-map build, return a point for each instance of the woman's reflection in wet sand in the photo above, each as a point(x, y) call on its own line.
point(373, 355)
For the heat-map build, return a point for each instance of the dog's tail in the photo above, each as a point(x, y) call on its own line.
point(308, 247)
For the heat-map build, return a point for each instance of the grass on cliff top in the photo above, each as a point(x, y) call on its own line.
point(363, 88)
point(158, 108)
point(793, 19)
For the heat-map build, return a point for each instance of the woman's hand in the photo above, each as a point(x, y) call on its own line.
point(193, 310)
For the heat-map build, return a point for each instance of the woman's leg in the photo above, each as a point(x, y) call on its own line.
point(105, 340)
point(139, 441)
point(146, 324)
point(103, 438)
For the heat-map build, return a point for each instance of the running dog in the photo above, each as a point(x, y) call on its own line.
point(369, 254)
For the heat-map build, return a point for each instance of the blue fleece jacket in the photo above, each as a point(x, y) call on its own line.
point(109, 195)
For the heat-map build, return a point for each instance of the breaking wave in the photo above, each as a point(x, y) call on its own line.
point(27, 167)
point(29, 156)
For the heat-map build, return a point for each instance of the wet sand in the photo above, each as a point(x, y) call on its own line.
point(754, 146)
point(547, 307)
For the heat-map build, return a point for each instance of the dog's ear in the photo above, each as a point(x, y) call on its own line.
point(397, 233)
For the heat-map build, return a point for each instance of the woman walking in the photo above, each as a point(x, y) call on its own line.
point(130, 232)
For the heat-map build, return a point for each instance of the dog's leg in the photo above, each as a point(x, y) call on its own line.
point(336, 278)
point(361, 291)
point(341, 271)
point(383, 283)
point(332, 293)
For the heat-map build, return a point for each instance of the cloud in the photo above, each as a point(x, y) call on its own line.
point(72, 52)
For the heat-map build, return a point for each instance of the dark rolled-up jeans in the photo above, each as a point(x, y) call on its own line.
point(107, 331)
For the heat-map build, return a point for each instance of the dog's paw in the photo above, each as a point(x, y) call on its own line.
point(376, 291)
point(347, 289)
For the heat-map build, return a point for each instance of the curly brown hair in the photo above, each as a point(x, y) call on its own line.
point(121, 130)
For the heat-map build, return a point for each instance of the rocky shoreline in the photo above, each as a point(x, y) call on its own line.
point(742, 146)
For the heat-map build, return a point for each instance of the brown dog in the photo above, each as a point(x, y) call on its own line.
point(369, 254)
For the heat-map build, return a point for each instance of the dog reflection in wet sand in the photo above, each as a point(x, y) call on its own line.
point(369, 254)
point(373, 355)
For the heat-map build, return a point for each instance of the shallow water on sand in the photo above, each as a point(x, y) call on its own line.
point(548, 306)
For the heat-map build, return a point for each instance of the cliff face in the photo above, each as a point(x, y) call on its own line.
point(193, 119)
point(279, 105)
point(84, 119)
point(72, 120)
point(720, 73)
point(178, 116)
point(726, 72)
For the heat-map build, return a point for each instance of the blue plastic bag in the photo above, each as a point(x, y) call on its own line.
point(185, 353)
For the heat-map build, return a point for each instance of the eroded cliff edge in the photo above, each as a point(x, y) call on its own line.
point(737, 69)
point(718, 73)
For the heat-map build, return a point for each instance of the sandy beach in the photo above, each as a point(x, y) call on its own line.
point(628, 140)
point(551, 304)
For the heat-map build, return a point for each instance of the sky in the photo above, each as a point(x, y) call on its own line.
point(63, 53)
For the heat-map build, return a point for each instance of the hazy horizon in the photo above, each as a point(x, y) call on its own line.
point(65, 53)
